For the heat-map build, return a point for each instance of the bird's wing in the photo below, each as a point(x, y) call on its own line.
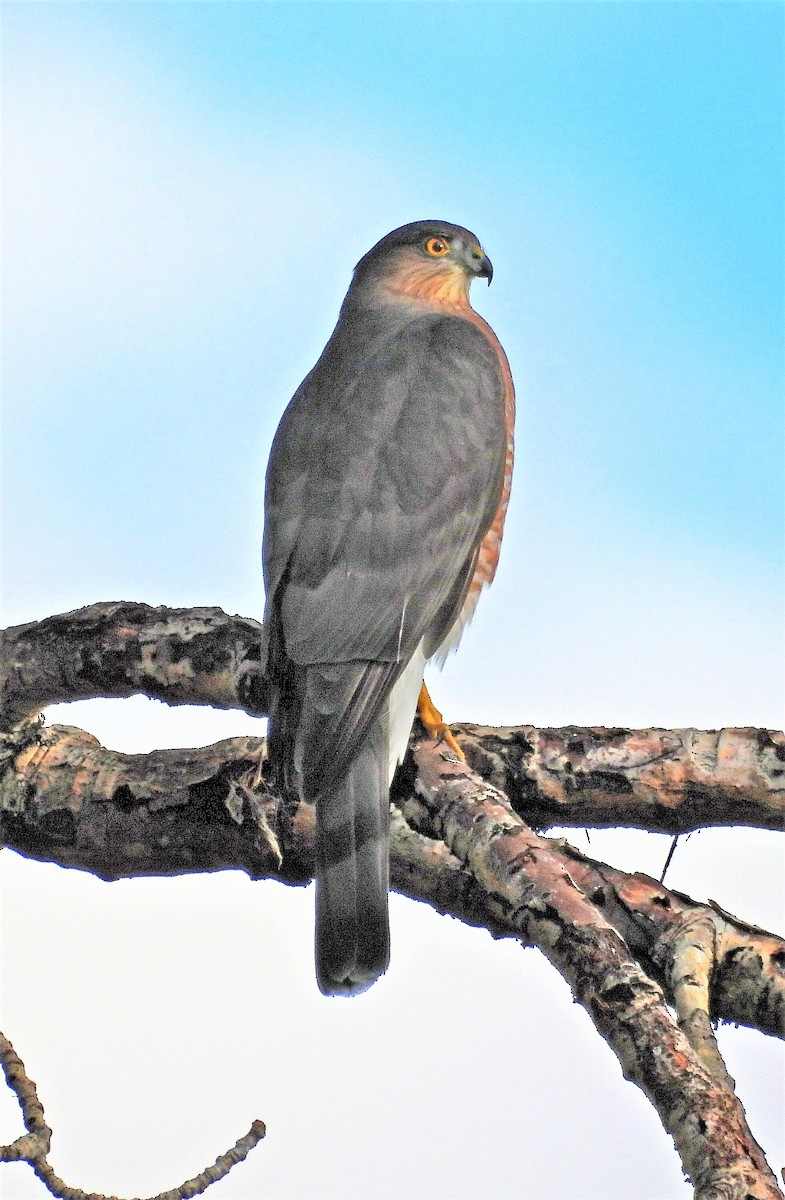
point(384, 476)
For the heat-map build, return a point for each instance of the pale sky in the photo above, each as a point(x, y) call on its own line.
point(187, 188)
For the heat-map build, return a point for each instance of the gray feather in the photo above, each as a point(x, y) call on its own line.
point(352, 821)
point(385, 473)
point(382, 481)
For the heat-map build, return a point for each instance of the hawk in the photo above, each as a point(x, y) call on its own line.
point(385, 500)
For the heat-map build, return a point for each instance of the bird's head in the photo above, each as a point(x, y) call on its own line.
point(427, 262)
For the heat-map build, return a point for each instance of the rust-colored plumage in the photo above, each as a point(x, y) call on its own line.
point(387, 489)
point(427, 284)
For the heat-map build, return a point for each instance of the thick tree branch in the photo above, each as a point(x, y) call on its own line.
point(668, 781)
point(665, 780)
point(696, 1105)
point(119, 648)
point(461, 839)
point(68, 800)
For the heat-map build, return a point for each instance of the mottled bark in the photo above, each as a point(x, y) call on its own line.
point(670, 781)
point(533, 882)
point(180, 655)
point(462, 839)
point(69, 800)
point(664, 780)
point(64, 798)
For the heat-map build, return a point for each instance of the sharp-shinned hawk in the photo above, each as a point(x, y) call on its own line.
point(387, 489)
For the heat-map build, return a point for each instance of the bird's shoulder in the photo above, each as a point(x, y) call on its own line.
point(392, 333)
point(380, 353)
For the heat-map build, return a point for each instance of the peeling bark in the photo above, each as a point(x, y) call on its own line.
point(179, 655)
point(663, 780)
point(667, 781)
point(694, 1100)
point(462, 839)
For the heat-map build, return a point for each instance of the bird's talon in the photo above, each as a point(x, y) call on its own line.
point(453, 751)
point(436, 727)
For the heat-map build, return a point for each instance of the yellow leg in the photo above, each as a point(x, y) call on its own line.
point(435, 726)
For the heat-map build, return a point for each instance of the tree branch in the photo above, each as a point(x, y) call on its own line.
point(667, 781)
point(119, 649)
point(33, 1147)
point(461, 839)
point(66, 799)
point(670, 781)
point(697, 1106)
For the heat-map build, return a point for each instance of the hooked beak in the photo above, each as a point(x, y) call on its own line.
point(481, 265)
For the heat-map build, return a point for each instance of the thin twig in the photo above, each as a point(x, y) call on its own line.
point(33, 1148)
point(671, 852)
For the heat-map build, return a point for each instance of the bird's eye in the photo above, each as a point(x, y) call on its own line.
point(437, 247)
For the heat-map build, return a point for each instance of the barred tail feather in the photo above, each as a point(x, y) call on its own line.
point(352, 872)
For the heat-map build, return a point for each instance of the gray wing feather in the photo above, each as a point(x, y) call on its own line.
point(385, 473)
point(377, 499)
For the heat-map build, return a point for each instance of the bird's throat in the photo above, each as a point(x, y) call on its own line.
point(430, 285)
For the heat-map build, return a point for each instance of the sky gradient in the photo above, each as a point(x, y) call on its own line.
point(187, 188)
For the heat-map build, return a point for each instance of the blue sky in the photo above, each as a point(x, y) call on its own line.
point(188, 186)
point(621, 162)
point(186, 189)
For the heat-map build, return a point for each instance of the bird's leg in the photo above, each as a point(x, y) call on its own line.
point(434, 724)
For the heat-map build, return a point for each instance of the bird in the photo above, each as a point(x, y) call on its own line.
point(385, 498)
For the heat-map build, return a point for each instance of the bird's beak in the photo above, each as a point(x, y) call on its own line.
point(481, 265)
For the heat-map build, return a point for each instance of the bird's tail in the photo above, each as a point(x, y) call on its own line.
point(352, 871)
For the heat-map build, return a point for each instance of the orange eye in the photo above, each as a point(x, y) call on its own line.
point(437, 247)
